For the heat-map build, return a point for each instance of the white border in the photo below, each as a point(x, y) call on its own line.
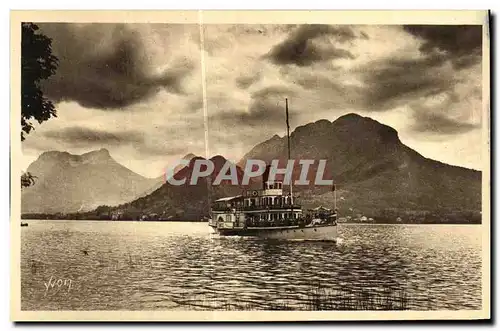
point(186, 4)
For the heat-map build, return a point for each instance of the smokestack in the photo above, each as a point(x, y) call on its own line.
point(265, 176)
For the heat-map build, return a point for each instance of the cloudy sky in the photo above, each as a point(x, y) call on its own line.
point(138, 89)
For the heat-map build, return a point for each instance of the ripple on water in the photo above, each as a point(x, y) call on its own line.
point(134, 265)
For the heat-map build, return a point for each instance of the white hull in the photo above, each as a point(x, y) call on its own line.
point(321, 232)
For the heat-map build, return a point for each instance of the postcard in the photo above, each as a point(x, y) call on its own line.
point(250, 165)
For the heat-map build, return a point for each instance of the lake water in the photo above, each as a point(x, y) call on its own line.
point(80, 265)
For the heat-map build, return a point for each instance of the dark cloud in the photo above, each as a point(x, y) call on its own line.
point(445, 114)
point(382, 84)
point(396, 81)
point(260, 114)
point(272, 91)
point(385, 84)
point(77, 135)
point(266, 109)
point(106, 66)
point(194, 105)
point(334, 95)
point(364, 35)
point(461, 43)
point(303, 46)
point(439, 123)
point(245, 81)
point(390, 83)
point(225, 35)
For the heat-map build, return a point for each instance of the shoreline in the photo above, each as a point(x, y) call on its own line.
point(195, 221)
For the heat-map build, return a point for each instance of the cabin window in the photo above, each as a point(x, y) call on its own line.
point(228, 218)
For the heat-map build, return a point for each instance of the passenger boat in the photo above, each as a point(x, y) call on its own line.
point(271, 213)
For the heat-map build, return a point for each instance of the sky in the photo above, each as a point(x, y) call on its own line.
point(152, 93)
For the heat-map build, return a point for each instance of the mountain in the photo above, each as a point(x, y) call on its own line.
point(159, 181)
point(68, 183)
point(373, 170)
point(188, 157)
point(184, 201)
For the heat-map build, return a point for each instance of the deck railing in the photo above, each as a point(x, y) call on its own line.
point(257, 207)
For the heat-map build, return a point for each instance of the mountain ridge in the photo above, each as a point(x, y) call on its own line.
point(373, 171)
point(70, 182)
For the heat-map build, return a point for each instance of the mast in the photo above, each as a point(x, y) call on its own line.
point(334, 198)
point(289, 157)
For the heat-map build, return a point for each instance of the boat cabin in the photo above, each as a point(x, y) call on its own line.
point(258, 208)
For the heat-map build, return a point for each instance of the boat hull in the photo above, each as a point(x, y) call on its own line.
point(320, 232)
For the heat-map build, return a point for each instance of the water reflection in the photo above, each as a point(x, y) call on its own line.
point(181, 266)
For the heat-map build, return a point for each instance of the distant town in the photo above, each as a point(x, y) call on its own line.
point(388, 216)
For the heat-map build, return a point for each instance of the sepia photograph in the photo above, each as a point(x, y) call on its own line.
point(203, 165)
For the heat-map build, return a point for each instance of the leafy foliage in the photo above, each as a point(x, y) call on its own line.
point(27, 179)
point(37, 64)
